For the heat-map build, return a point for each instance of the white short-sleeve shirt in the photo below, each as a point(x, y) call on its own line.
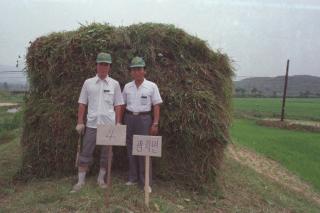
point(101, 96)
point(143, 98)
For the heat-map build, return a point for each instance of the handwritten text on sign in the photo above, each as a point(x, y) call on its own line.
point(111, 135)
point(146, 145)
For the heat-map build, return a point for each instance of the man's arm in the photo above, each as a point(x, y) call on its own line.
point(118, 102)
point(119, 114)
point(80, 124)
point(83, 102)
point(81, 112)
point(156, 116)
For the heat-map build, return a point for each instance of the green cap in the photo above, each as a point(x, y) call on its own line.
point(137, 62)
point(104, 58)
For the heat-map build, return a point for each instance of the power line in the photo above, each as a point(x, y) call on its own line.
point(4, 75)
point(12, 72)
point(16, 77)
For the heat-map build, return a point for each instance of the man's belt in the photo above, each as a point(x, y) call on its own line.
point(138, 113)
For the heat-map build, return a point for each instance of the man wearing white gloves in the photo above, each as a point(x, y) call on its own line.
point(102, 97)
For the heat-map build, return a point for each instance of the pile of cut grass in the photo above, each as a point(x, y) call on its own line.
point(194, 81)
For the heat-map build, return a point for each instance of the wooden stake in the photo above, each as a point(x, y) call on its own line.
point(78, 151)
point(109, 166)
point(107, 195)
point(146, 181)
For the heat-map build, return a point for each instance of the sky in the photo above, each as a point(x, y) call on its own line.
point(259, 36)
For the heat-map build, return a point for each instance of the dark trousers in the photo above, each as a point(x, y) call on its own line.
point(137, 125)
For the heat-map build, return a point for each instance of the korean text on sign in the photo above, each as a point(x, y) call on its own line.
point(146, 145)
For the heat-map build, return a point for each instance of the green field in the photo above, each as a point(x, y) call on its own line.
point(298, 151)
point(296, 108)
point(7, 97)
point(8, 124)
point(238, 187)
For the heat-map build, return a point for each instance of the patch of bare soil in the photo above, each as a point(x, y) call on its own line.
point(311, 126)
point(8, 104)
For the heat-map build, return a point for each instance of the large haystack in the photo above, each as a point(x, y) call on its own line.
point(194, 81)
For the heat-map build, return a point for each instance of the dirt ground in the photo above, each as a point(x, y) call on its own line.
point(311, 126)
point(8, 104)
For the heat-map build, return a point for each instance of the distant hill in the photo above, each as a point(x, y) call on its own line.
point(11, 79)
point(8, 68)
point(298, 86)
point(11, 75)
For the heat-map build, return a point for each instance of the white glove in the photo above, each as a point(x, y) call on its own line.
point(80, 129)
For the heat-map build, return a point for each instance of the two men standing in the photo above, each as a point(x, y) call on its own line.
point(101, 96)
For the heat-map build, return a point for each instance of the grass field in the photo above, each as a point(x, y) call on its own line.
point(7, 97)
point(238, 187)
point(296, 108)
point(297, 151)
point(9, 122)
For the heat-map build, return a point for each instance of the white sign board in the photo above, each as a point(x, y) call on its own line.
point(111, 135)
point(146, 145)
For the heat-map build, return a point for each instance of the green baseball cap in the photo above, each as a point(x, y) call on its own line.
point(137, 62)
point(104, 58)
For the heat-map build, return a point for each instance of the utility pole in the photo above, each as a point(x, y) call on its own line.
point(285, 91)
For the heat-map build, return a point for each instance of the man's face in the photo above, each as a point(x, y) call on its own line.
point(137, 73)
point(103, 70)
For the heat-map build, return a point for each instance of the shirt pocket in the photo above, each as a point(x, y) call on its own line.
point(144, 100)
point(108, 97)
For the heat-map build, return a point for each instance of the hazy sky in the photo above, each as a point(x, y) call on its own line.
point(258, 35)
